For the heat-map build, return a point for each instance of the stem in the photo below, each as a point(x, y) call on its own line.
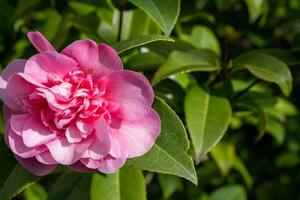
point(121, 10)
point(241, 93)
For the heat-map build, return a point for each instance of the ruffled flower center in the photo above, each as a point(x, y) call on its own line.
point(74, 99)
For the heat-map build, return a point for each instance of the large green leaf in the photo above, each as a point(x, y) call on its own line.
point(18, 179)
point(139, 41)
point(13, 177)
point(267, 68)
point(179, 62)
point(126, 184)
point(169, 153)
point(207, 117)
point(164, 13)
point(202, 37)
point(35, 192)
point(71, 186)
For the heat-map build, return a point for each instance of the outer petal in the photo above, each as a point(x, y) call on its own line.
point(102, 143)
point(17, 123)
point(111, 164)
point(35, 167)
point(73, 134)
point(49, 66)
point(93, 59)
point(79, 167)
point(66, 153)
point(12, 68)
point(18, 147)
point(132, 91)
point(46, 158)
point(40, 42)
point(138, 137)
point(35, 133)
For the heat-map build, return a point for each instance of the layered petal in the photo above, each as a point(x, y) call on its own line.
point(67, 153)
point(139, 136)
point(35, 133)
point(132, 91)
point(40, 42)
point(35, 167)
point(93, 59)
point(49, 66)
point(17, 123)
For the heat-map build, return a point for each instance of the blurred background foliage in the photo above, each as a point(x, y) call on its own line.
point(259, 156)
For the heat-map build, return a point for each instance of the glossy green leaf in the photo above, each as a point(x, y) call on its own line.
point(169, 153)
point(71, 186)
point(138, 41)
point(164, 13)
point(18, 179)
point(207, 117)
point(35, 192)
point(267, 68)
point(229, 192)
point(145, 61)
point(202, 37)
point(126, 184)
point(180, 62)
point(286, 56)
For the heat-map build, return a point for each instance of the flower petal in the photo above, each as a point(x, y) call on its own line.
point(46, 158)
point(111, 164)
point(17, 123)
point(35, 133)
point(79, 167)
point(102, 143)
point(65, 153)
point(40, 42)
point(73, 134)
point(93, 59)
point(35, 167)
point(17, 145)
point(132, 91)
point(138, 137)
point(48, 66)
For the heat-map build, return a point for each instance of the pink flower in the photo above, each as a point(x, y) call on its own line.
point(78, 108)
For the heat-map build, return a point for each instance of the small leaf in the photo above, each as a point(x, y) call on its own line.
point(35, 192)
point(255, 9)
point(241, 168)
point(71, 186)
point(224, 156)
point(267, 68)
point(139, 41)
point(207, 117)
point(126, 184)
point(230, 192)
point(202, 37)
point(169, 154)
point(180, 62)
point(169, 184)
point(164, 13)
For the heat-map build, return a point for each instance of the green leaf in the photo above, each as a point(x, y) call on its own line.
point(241, 168)
point(139, 41)
point(286, 56)
point(180, 62)
point(126, 184)
point(255, 9)
point(164, 13)
point(224, 156)
point(145, 61)
point(267, 68)
point(207, 117)
point(35, 192)
point(71, 186)
point(229, 192)
point(16, 182)
point(202, 37)
point(169, 153)
point(169, 184)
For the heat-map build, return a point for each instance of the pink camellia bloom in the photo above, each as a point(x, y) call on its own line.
point(78, 108)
